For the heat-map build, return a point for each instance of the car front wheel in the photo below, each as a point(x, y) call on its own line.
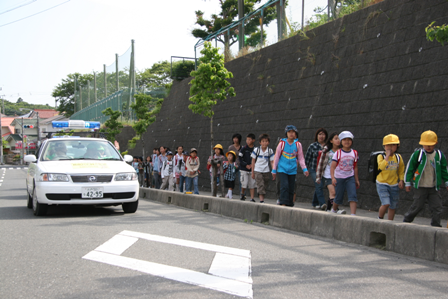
point(39, 209)
point(30, 200)
point(130, 207)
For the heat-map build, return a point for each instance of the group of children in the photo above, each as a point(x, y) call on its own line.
point(427, 168)
point(166, 171)
point(336, 169)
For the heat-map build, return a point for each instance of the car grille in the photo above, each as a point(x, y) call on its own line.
point(118, 195)
point(85, 178)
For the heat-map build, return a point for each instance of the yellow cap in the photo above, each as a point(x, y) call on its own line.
point(428, 138)
point(218, 146)
point(231, 152)
point(391, 139)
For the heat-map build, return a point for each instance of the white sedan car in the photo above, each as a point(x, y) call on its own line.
point(80, 171)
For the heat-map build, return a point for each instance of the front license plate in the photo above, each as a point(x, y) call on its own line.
point(92, 192)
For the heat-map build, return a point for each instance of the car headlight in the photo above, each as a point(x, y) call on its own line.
point(53, 177)
point(126, 176)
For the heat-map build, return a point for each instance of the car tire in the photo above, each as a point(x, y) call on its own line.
point(39, 209)
point(130, 207)
point(30, 200)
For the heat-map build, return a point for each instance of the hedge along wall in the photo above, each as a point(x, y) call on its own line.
point(372, 72)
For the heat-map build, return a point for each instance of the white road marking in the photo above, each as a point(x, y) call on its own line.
point(186, 243)
point(225, 285)
point(11, 168)
point(231, 266)
point(230, 271)
point(117, 245)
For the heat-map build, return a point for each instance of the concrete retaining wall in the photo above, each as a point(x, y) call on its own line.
point(405, 238)
point(371, 72)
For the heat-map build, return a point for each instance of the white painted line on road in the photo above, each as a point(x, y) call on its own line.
point(117, 245)
point(11, 168)
point(186, 243)
point(229, 286)
point(231, 266)
point(230, 271)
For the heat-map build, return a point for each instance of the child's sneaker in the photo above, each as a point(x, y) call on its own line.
point(227, 196)
point(338, 211)
point(323, 207)
point(252, 200)
point(278, 201)
point(317, 207)
point(261, 201)
point(243, 197)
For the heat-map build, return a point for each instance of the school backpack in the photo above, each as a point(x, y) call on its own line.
point(372, 165)
point(283, 142)
point(339, 153)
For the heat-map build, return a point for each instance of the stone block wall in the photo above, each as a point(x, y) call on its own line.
point(372, 72)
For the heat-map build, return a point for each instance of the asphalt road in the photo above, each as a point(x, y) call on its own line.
point(163, 251)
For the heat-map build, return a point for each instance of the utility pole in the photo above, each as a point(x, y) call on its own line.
point(23, 143)
point(38, 130)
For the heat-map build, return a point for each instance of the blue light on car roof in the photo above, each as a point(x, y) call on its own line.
point(60, 124)
point(92, 124)
point(76, 124)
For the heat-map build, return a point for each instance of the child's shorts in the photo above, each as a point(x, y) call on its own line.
point(262, 180)
point(247, 182)
point(348, 184)
point(389, 195)
point(326, 181)
point(229, 184)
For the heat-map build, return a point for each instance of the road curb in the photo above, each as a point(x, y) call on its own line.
point(410, 239)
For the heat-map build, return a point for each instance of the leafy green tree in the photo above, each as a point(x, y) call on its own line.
point(112, 126)
point(209, 84)
point(21, 107)
point(64, 92)
point(156, 76)
point(228, 15)
point(439, 33)
point(143, 107)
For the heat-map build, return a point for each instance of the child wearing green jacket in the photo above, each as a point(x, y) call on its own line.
point(426, 170)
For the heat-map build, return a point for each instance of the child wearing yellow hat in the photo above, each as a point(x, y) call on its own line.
point(214, 164)
point(426, 170)
point(391, 177)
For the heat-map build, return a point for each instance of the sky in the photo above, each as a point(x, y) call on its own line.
point(42, 41)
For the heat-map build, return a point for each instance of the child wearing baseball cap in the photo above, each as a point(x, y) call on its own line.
point(426, 170)
point(390, 179)
point(344, 173)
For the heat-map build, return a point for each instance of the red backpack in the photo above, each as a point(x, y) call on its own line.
point(339, 153)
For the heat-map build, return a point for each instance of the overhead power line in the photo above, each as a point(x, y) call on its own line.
point(34, 14)
point(3, 12)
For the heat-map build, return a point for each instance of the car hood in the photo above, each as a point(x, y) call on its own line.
point(85, 166)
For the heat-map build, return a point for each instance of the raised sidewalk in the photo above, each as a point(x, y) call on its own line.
point(416, 239)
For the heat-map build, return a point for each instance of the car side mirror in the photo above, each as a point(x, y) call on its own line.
point(128, 158)
point(30, 158)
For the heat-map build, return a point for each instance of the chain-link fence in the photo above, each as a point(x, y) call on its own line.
point(113, 87)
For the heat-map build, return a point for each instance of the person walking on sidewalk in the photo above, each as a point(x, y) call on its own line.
point(426, 170)
point(287, 157)
point(247, 182)
point(236, 147)
point(262, 163)
point(320, 137)
point(391, 178)
point(344, 173)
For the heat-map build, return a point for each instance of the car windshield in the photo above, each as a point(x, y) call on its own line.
point(79, 150)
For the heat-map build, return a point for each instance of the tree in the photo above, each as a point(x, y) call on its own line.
point(143, 108)
point(64, 92)
point(112, 126)
point(209, 84)
point(156, 76)
point(229, 14)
